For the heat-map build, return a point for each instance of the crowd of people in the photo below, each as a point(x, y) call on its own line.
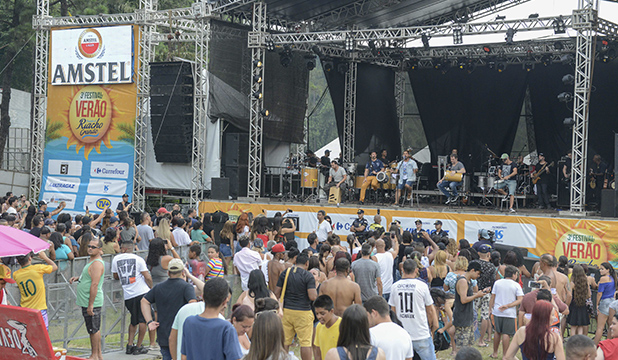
point(381, 293)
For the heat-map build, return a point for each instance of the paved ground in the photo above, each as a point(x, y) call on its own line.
point(120, 355)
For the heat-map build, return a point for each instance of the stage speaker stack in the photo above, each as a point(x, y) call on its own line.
point(171, 111)
point(236, 162)
point(220, 189)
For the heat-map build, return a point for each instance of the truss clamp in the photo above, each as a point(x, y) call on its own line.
point(257, 39)
point(41, 22)
point(201, 10)
point(585, 19)
point(143, 17)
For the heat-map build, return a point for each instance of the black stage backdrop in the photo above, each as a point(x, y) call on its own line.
point(285, 93)
point(377, 124)
point(469, 112)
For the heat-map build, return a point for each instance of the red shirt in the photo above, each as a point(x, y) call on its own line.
point(610, 348)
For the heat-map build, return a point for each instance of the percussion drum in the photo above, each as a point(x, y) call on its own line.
point(453, 176)
point(382, 177)
point(358, 182)
point(485, 182)
point(334, 195)
point(351, 168)
point(309, 178)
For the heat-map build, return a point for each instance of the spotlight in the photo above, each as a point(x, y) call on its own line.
point(533, 16)
point(257, 78)
point(349, 43)
point(607, 54)
point(491, 63)
point(501, 66)
point(316, 50)
point(567, 59)
point(425, 39)
point(270, 45)
point(328, 66)
point(457, 36)
point(257, 95)
point(528, 66)
point(343, 67)
point(285, 56)
point(558, 25)
point(310, 62)
point(442, 64)
point(265, 113)
point(568, 122)
point(487, 49)
point(462, 63)
point(257, 63)
point(565, 97)
point(413, 63)
point(568, 79)
point(546, 60)
point(372, 47)
point(558, 45)
point(510, 32)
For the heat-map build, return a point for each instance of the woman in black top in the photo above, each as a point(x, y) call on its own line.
point(209, 228)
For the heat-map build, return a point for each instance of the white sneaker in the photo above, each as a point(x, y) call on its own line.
point(448, 201)
point(512, 210)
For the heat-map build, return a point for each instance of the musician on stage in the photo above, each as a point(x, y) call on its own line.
point(384, 157)
point(455, 167)
point(336, 177)
point(507, 172)
point(325, 165)
point(311, 160)
point(598, 178)
point(543, 174)
point(407, 170)
point(566, 169)
point(373, 167)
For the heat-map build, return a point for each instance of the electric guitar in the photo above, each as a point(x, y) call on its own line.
point(537, 174)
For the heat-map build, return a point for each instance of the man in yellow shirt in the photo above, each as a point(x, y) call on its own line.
point(29, 280)
point(327, 331)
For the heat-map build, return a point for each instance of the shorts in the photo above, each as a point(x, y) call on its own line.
point(482, 306)
point(604, 306)
point(401, 185)
point(225, 250)
point(511, 184)
point(504, 325)
point(45, 318)
point(134, 305)
point(464, 336)
point(93, 323)
point(299, 323)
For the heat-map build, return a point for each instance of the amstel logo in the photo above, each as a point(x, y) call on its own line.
point(90, 43)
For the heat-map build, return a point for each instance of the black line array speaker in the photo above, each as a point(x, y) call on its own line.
point(220, 189)
point(608, 203)
point(236, 162)
point(171, 110)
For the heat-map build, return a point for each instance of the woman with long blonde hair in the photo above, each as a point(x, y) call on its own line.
point(164, 231)
point(439, 270)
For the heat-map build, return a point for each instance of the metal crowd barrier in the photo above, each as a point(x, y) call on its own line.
point(66, 323)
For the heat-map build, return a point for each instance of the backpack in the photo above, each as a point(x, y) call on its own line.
point(441, 341)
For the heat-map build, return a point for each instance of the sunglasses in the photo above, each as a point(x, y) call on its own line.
point(93, 247)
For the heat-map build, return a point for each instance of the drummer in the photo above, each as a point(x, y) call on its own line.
point(373, 167)
point(406, 171)
point(311, 160)
point(336, 177)
point(457, 167)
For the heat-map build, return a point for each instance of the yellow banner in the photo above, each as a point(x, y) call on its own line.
point(581, 240)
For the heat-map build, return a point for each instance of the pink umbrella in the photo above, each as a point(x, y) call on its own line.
point(14, 242)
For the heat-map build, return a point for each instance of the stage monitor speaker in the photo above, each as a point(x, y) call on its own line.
point(220, 189)
point(236, 149)
point(608, 203)
point(171, 111)
point(238, 180)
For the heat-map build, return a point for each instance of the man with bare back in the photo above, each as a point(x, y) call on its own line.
point(276, 265)
point(342, 290)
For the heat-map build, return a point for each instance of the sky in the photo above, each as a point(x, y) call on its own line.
point(545, 8)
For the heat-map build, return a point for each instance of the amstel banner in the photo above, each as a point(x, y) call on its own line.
point(582, 240)
point(86, 113)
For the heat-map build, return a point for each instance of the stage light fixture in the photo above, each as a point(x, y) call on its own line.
point(310, 62)
point(565, 97)
point(510, 33)
point(343, 67)
point(257, 95)
point(373, 48)
point(328, 66)
point(568, 122)
point(270, 45)
point(568, 79)
point(500, 17)
point(425, 39)
point(528, 66)
point(558, 45)
point(316, 50)
point(257, 63)
point(487, 49)
point(491, 63)
point(265, 113)
point(413, 63)
point(558, 25)
point(257, 78)
point(567, 59)
point(462, 63)
point(285, 56)
point(501, 66)
point(457, 36)
point(546, 60)
point(349, 43)
point(533, 16)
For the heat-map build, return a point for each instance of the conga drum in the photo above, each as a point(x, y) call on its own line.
point(309, 178)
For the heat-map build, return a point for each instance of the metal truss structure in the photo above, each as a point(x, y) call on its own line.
point(349, 113)
point(400, 100)
point(256, 119)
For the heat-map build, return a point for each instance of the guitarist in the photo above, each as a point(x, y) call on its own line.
point(597, 182)
point(541, 179)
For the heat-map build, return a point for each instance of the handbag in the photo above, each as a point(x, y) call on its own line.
point(590, 308)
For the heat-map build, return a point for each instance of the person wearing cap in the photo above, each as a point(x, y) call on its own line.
point(136, 281)
point(372, 168)
point(359, 226)
point(169, 296)
point(90, 295)
point(438, 230)
point(124, 205)
point(485, 280)
point(484, 238)
point(449, 188)
point(56, 211)
point(507, 172)
point(276, 265)
point(420, 235)
point(506, 295)
point(543, 175)
point(311, 160)
point(5, 277)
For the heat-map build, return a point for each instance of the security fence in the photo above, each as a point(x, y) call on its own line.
point(66, 323)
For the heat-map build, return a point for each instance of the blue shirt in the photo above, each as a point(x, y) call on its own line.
point(406, 170)
point(220, 343)
point(62, 253)
point(374, 166)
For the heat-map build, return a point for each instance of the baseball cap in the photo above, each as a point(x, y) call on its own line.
point(504, 156)
point(113, 219)
point(438, 222)
point(541, 154)
point(485, 248)
point(125, 195)
point(175, 265)
point(484, 234)
point(49, 222)
point(5, 273)
point(360, 211)
point(326, 151)
point(258, 243)
point(42, 202)
point(418, 221)
point(270, 244)
point(278, 248)
point(162, 210)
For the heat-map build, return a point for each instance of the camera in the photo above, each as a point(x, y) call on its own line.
point(534, 284)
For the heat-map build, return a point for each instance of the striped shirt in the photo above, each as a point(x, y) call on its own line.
point(215, 268)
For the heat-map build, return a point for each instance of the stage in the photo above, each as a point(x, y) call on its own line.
point(590, 239)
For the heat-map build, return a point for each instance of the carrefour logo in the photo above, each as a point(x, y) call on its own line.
point(103, 202)
point(339, 226)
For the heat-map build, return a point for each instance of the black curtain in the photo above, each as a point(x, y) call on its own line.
point(377, 125)
point(469, 112)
